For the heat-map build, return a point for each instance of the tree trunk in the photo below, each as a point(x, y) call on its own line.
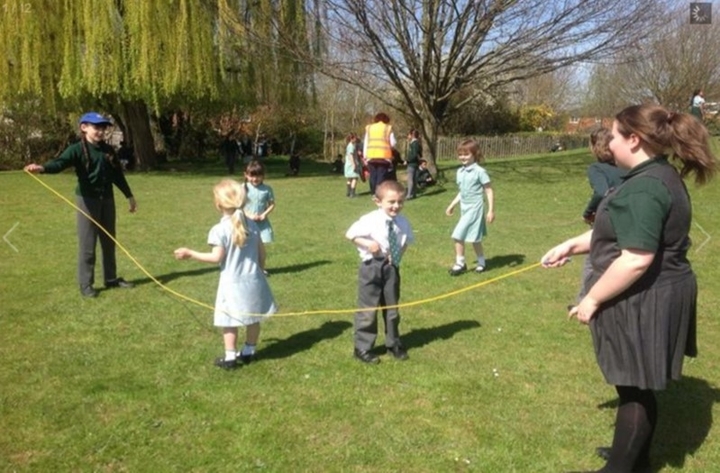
point(137, 121)
point(430, 133)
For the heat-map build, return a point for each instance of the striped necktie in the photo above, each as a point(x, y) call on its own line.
point(393, 245)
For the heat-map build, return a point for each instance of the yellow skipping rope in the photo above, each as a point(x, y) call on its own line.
point(283, 314)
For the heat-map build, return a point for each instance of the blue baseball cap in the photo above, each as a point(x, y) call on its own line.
point(94, 118)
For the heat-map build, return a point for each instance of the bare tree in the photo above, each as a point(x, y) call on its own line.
point(416, 55)
point(666, 68)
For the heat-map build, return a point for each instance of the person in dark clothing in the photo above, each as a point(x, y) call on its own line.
point(413, 160)
point(642, 299)
point(230, 151)
point(294, 164)
point(97, 168)
point(424, 176)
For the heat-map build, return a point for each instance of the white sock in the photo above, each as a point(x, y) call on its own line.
point(460, 260)
point(230, 355)
point(481, 261)
point(248, 350)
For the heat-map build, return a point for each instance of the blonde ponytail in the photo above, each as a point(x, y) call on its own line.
point(230, 199)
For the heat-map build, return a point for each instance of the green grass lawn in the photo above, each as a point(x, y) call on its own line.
point(498, 380)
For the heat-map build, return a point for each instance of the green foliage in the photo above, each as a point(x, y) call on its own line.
point(132, 49)
point(125, 382)
point(535, 117)
point(28, 133)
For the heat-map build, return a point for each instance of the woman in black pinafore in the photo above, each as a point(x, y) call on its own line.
point(641, 305)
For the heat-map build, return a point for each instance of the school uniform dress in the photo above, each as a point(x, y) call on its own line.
point(378, 278)
point(258, 200)
point(352, 164)
point(243, 288)
point(471, 180)
point(641, 336)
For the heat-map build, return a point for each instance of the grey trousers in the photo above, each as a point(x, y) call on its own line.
point(103, 211)
point(378, 285)
point(412, 172)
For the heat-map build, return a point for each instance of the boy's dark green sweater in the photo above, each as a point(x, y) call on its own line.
point(96, 178)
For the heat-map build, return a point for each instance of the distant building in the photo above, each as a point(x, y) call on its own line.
point(577, 124)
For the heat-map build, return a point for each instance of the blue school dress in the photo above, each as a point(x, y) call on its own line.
point(243, 288)
point(258, 200)
point(471, 227)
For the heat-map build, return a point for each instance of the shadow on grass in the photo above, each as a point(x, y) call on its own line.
point(166, 278)
point(504, 260)
point(684, 421)
point(296, 268)
point(421, 337)
point(431, 191)
point(302, 341)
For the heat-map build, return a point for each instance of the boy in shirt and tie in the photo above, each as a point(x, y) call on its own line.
point(381, 238)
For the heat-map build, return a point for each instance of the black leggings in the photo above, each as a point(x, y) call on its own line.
point(634, 428)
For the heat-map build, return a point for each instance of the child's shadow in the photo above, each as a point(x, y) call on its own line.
point(166, 278)
point(504, 260)
point(296, 268)
point(302, 341)
point(684, 421)
point(421, 337)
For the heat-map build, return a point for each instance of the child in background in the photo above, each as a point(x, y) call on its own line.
point(414, 154)
point(352, 164)
point(603, 176)
point(381, 238)
point(260, 199)
point(243, 295)
point(474, 184)
point(97, 168)
point(424, 177)
point(294, 164)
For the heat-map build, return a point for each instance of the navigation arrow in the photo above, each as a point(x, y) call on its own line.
point(5, 237)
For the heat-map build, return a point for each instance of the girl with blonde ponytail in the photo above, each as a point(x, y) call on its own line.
point(243, 296)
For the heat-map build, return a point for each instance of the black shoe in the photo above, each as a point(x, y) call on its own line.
point(246, 359)
point(88, 291)
point(457, 269)
point(398, 352)
point(603, 452)
point(366, 357)
point(226, 364)
point(119, 282)
point(641, 465)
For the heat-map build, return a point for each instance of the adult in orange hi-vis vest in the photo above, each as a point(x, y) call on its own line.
point(377, 149)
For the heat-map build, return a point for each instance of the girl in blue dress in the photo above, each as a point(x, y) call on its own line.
point(474, 184)
point(243, 296)
point(352, 164)
point(260, 200)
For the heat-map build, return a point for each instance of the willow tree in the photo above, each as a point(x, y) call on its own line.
point(420, 56)
point(254, 36)
point(127, 56)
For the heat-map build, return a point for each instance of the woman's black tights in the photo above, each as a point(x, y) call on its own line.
point(634, 428)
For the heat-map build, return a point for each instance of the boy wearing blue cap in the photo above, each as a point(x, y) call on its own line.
point(97, 169)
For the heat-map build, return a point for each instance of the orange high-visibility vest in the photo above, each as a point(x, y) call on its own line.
point(378, 141)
